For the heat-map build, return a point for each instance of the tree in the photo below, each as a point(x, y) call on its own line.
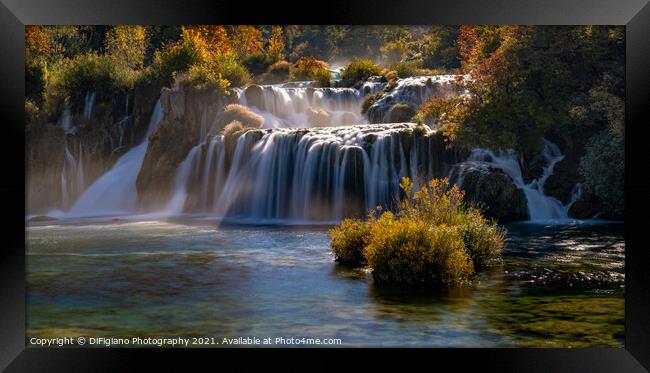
point(275, 47)
point(127, 44)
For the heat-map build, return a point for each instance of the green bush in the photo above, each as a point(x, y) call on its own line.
point(410, 251)
point(603, 167)
point(348, 240)
point(432, 238)
point(258, 63)
point(174, 59)
point(406, 69)
point(220, 73)
point(360, 69)
point(369, 100)
point(35, 80)
point(309, 68)
point(87, 72)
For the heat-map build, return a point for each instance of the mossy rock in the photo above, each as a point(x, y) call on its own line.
point(400, 113)
point(494, 193)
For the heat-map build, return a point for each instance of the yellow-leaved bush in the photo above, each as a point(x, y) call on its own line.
point(431, 238)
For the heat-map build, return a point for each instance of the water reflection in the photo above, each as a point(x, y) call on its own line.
point(555, 286)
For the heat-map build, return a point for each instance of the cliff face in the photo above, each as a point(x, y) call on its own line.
point(61, 163)
point(189, 116)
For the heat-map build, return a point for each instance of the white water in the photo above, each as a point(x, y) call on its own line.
point(115, 191)
point(299, 175)
point(88, 105)
point(412, 91)
point(287, 106)
point(540, 206)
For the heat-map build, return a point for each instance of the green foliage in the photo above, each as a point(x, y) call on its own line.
point(348, 240)
point(603, 167)
point(127, 44)
point(410, 251)
point(526, 79)
point(87, 73)
point(438, 48)
point(369, 100)
point(35, 79)
point(220, 73)
point(360, 69)
point(431, 238)
point(258, 63)
point(173, 59)
point(406, 69)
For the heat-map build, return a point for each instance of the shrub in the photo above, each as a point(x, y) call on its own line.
point(483, 240)
point(348, 240)
point(360, 69)
point(603, 166)
point(241, 114)
point(258, 63)
point(369, 100)
point(309, 68)
point(276, 73)
point(35, 79)
point(220, 72)
point(406, 69)
point(232, 127)
point(87, 72)
point(432, 238)
point(410, 251)
point(173, 59)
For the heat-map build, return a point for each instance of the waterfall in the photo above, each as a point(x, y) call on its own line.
point(540, 206)
point(72, 175)
point(115, 191)
point(291, 105)
point(319, 174)
point(412, 91)
point(88, 105)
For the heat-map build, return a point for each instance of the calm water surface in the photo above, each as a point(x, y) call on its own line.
point(556, 286)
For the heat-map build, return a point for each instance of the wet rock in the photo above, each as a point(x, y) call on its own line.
point(173, 102)
point(562, 182)
point(586, 207)
point(40, 218)
point(348, 119)
point(254, 96)
point(318, 118)
point(491, 190)
point(400, 113)
point(173, 138)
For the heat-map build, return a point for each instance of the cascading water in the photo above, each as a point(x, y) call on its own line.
point(412, 91)
point(72, 176)
point(540, 206)
point(115, 191)
point(284, 106)
point(318, 174)
point(88, 105)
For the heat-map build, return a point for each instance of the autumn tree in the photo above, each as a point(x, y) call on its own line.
point(275, 47)
point(127, 44)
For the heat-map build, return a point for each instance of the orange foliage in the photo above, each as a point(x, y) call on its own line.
point(246, 39)
point(37, 40)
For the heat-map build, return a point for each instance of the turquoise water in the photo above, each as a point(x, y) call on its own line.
point(556, 286)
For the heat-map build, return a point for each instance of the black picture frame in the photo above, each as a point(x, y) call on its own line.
point(635, 14)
